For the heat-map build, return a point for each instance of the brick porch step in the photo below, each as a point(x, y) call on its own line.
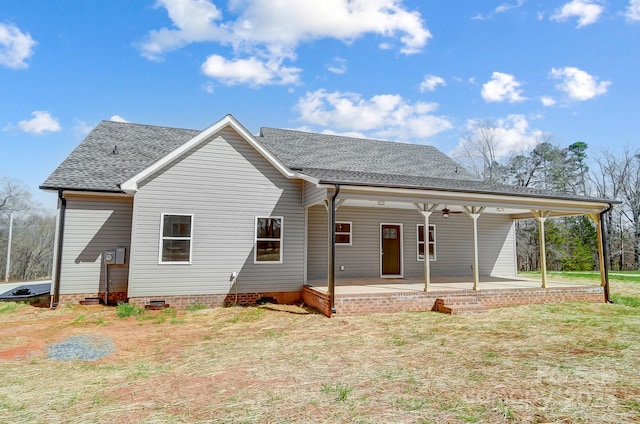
point(459, 305)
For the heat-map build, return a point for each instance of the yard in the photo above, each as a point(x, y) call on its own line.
point(562, 363)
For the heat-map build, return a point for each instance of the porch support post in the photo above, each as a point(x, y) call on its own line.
point(331, 206)
point(601, 258)
point(474, 213)
point(426, 210)
point(541, 216)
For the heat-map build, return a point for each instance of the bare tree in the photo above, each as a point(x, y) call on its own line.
point(480, 147)
point(618, 177)
point(33, 233)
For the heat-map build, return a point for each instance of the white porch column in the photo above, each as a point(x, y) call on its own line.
point(474, 213)
point(541, 216)
point(601, 259)
point(426, 210)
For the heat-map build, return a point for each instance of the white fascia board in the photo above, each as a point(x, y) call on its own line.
point(545, 203)
point(94, 193)
point(131, 185)
point(308, 179)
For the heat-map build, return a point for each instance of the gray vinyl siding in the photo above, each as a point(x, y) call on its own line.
point(92, 225)
point(224, 183)
point(454, 251)
point(313, 194)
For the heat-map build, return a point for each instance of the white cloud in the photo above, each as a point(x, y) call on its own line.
point(285, 23)
point(587, 11)
point(547, 101)
point(118, 118)
point(501, 88)
point(512, 135)
point(81, 129)
point(504, 7)
point(430, 83)
point(263, 32)
point(578, 84)
point(40, 123)
point(15, 46)
point(386, 116)
point(337, 66)
point(633, 11)
point(208, 87)
point(250, 71)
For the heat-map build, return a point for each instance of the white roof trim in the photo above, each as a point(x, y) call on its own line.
point(131, 185)
point(523, 201)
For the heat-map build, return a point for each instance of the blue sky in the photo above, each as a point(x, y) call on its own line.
point(411, 71)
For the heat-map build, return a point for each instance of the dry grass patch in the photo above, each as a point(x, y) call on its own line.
point(570, 362)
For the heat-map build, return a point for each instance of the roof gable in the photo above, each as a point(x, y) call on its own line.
point(112, 153)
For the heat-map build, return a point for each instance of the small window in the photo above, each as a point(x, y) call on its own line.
point(343, 233)
point(432, 242)
point(176, 234)
point(268, 247)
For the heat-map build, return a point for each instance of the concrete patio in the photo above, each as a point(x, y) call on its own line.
point(369, 295)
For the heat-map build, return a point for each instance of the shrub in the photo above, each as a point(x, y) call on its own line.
point(126, 310)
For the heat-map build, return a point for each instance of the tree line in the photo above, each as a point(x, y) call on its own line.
point(571, 242)
point(32, 234)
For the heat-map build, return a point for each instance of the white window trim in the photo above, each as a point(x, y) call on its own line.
point(344, 232)
point(255, 240)
point(435, 253)
point(162, 238)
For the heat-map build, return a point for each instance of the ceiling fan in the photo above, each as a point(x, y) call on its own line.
point(446, 212)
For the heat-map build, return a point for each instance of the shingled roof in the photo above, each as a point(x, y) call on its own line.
point(304, 150)
point(112, 153)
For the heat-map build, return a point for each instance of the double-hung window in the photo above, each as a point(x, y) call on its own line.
point(176, 232)
point(431, 242)
point(268, 242)
point(343, 233)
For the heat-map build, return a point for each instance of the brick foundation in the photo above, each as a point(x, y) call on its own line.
point(218, 300)
point(317, 300)
point(366, 303)
point(114, 297)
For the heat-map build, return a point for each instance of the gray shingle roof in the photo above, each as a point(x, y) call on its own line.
point(372, 179)
point(302, 150)
point(93, 166)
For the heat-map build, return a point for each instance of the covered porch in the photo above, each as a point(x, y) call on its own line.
point(376, 245)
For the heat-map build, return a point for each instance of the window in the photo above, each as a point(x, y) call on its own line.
point(432, 242)
point(268, 247)
point(343, 233)
point(176, 233)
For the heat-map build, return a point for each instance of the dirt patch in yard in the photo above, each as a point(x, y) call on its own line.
point(568, 362)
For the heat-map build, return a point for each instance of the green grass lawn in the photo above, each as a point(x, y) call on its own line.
point(554, 363)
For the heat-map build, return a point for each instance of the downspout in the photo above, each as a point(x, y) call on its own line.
point(58, 265)
point(332, 255)
point(605, 253)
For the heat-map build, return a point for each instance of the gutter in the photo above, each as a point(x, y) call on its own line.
point(605, 253)
point(58, 265)
point(332, 251)
point(552, 196)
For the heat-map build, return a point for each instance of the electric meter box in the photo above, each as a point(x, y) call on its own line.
point(109, 257)
point(120, 255)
